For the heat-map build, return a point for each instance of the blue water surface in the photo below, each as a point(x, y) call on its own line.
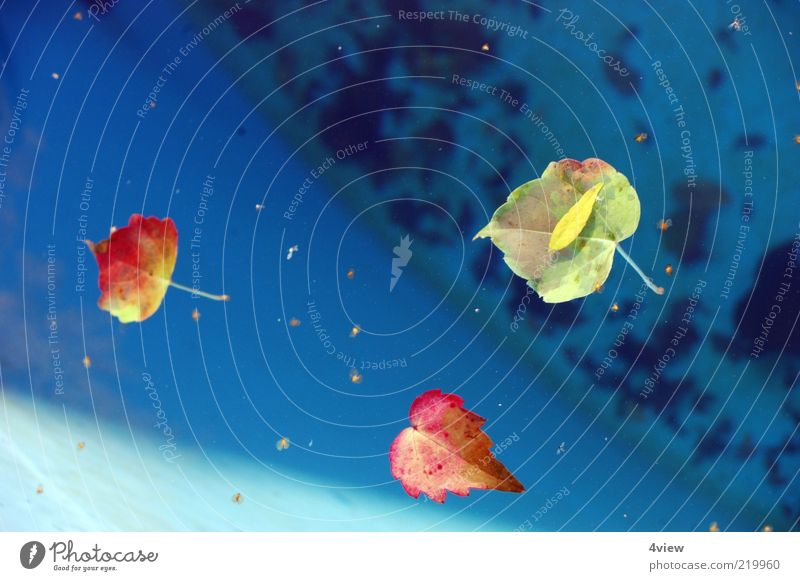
point(295, 145)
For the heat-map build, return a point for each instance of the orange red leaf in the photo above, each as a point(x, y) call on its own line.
point(446, 450)
point(136, 264)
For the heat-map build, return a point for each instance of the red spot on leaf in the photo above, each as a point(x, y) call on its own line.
point(428, 459)
point(136, 265)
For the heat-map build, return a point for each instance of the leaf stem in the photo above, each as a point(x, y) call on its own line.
point(659, 290)
point(199, 293)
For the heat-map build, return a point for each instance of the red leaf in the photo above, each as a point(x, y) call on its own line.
point(445, 449)
point(136, 265)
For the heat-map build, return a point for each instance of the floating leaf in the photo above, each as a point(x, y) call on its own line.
point(572, 223)
point(445, 449)
point(523, 227)
point(136, 265)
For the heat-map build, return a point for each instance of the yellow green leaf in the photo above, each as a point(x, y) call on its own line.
point(571, 223)
point(523, 228)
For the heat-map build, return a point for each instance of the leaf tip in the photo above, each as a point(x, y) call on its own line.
point(512, 485)
point(555, 245)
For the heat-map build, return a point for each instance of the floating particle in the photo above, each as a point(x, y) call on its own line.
point(259, 207)
point(56, 76)
point(668, 269)
point(282, 444)
point(797, 139)
point(797, 85)
point(310, 443)
point(599, 288)
point(113, 229)
point(340, 48)
point(87, 362)
point(355, 331)
point(614, 307)
point(152, 104)
point(664, 224)
point(40, 490)
point(196, 314)
point(485, 47)
point(641, 137)
point(355, 376)
point(77, 16)
point(767, 529)
point(625, 515)
point(561, 448)
point(477, 310)
point(237, 498)
point(291, 252)
point(293, 322)
point(351, 273)
point(736, 24)
point(714, 528)
point(81, 445)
